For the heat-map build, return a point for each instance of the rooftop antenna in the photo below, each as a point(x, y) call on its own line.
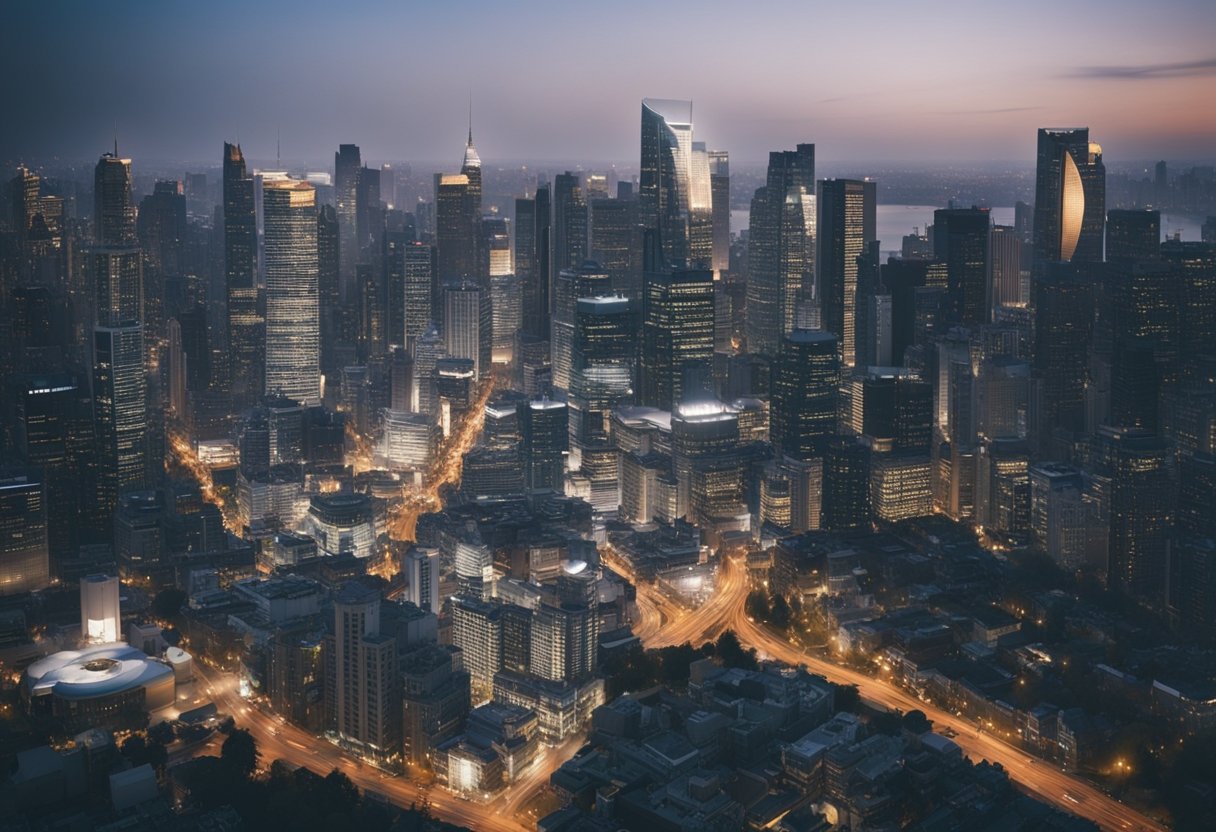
point(470, 116)
point(115, 140)
point(278, 147)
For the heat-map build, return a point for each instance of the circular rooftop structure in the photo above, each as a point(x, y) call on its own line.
point(103, 671)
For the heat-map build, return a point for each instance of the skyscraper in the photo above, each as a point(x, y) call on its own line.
point(1063, 299)
point(586, 280)
point(672, 187)
point(847, 225)
point(781, 248)
point(602, 365)
point(419, 289)
point(677, 335)
point(293, 348)
point(458, 226)
point(960, 240)
point(120, 395)
point(113, 204)
point(24, 554)
point(805, 379)
point(246, 324)
point(363, 691)
point(1141, 510)
point(616, 244)
point(1132, 235)
point(569, 222)
point(347, 167)
point(329, 297)
point(1069, 197)
point(1005, 267)
point(719, 185)
point(545, 431)
point(468, 325)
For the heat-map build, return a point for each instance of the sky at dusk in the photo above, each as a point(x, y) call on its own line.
point(889, 81)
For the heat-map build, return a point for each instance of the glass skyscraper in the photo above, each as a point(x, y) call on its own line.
point(293, 345)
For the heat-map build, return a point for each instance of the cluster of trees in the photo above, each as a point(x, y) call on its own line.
point(639, 668)
point(297, 799)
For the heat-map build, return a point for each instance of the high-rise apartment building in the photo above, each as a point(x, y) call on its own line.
point(24, 551)
point(363, 689)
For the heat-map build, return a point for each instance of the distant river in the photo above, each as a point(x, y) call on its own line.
point(894, 221)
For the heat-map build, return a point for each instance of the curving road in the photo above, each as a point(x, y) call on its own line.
point(664, 621)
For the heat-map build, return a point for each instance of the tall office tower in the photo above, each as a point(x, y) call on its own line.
point(1059, 516)
point(422, 578)
point(1063, 301)
point(719, 186)
point(569, 223)
point(890, 408)
point(468, 325)
point(706, 463)
point(364, 694)
point(428, 349)
point(1005, 267)
point(544, 426)
point(1141, 510)
point(586, 280)
point(118, 278)
point(1002, 488)
point(700, 209)
point(246, 306)
point(161, 226)
point(347, 167)
point(616, 244)
point(847, 225)
point(525, 261)
point(457, 228)
point(1002, 397)
point(293, 345)
point(1069, 197)
point(1144, 328)
point(507, 314)
point(395, 245)
point(846, 485)
point(564, 635)
point(1132, 235)
point(781, 248)
point(25, 561)
point(1195, 265)
point(805, 380)
point(672, 186)
point(960, 240)
point(1197, 494)
point(329, 298)
point(496, 246)
point(477, 629)
point(419, 289)
point(369, 211)
point(401, 379)
point(113, 205)
point(677, 336)
point(913, 285)
point(52, 432)
point(602, 366)
point(120, 396)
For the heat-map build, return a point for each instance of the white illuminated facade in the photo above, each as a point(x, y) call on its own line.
point(99, 609)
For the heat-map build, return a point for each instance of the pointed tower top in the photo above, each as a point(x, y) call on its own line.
point(471, 159)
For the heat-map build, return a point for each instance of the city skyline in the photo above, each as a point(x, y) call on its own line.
point(1135, 78)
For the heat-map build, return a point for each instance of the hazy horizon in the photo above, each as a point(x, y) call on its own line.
point(936, 83)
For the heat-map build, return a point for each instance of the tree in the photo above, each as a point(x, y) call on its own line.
point(239, 754)
point(780, 616)
point(139, 750)
point(887, 722)
point(732, 654)
point(847, 698)
point(915, 722)
point(757, 605)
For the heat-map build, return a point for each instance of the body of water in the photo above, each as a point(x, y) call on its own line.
point(894, 221)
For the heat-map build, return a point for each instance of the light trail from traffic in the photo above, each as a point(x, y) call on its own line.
point(665, 621)
point(185, 457)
